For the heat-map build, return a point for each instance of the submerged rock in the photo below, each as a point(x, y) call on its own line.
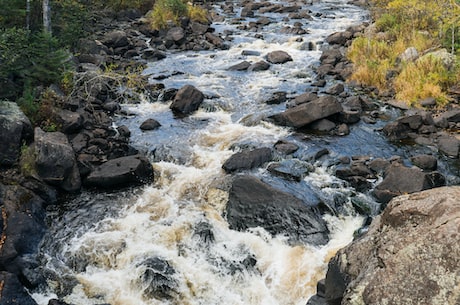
point(158, 275)
point(410, 255)
point(253, 203)
point(12, 291)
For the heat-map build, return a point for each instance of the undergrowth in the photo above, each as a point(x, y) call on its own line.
point(165, 11)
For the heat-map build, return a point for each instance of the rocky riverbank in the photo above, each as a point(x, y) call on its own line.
point(38, 166)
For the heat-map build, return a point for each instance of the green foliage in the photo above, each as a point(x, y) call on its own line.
point(27, 161)
point(165, 11)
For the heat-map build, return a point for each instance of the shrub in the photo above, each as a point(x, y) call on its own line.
point(165, 11)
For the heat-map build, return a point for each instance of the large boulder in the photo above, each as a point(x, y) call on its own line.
point(252, 203)
point(278, 57)
point(410, 255)
point(187, 100)
point(22, 228)
point(115, 39)
point(15, 127)
point(247, 159)
point(55, 160)
point(401, 180)
point(12, 291)
point(307, 113)
point(122, 171)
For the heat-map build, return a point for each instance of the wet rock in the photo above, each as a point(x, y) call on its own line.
point(331, 56)
point(216, 41)
point(198, 28)
point(247, 160)
point(406, 257)
point(336, 89)
point(449, 145)
point(150, 124)
point(15, 128)
point(305, 114)
point(277, 98)
point(425, 162)
point(342, 130)
point(203, 230)
point(400, 180)
point(12, 291)
point(187, 100)
point(253, 203)
point(55, 160)
point(339, 38)
point(379, 165)
point(259, 66)
point(291, 169)
point(242, 66)
point(23, 226)
point(286, 147)
point(278, 57)
point(158, 275)
point(153, 55)
point(250, 53)
point(121, 172)
point(322, 125)
point(396, 131)
point(304, 98)
point(124, 131)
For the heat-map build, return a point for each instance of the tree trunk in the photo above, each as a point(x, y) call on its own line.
point(28, 15)
point(46, 16)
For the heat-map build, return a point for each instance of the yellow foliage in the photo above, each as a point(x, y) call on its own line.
point(165, 11)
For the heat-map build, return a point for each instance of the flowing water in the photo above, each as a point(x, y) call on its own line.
point(168, 243)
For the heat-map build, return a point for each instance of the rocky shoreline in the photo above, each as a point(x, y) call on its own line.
point(88, 152)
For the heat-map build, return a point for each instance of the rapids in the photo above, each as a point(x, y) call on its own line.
point(168, 243)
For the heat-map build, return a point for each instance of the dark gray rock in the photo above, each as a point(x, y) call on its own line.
point(291, 169)
point(323, 125)
point(216, 41)
point(304, 98)
point(242, 66)
point(247, 159)
point(259, 66)
point(115, 39)
point(253, 203)
point(400, 180)
point(70, 121)
point(23, 226)
point(305, 114)
point(278, 57)
point(198, 28)
point(176, 34)
point(452, 115)
point(286, 147)
point(187, 100)
point(55, 160)
point(425, 162)
point(150, 124)
point(13, 292)
point(340, 38)
point(277, 98)
point(336, 89)
point(396, 131)
point(158, 279)
point(449, 145)
point(15, 128)
point(122, 171)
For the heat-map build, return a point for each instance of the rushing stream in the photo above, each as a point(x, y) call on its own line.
point(168, 243)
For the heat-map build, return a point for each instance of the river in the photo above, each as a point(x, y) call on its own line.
point(141, 247)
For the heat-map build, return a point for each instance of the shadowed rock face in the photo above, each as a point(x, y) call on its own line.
point(253, 203)
point(410, 254)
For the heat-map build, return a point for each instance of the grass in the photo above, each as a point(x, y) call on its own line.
point(165, 11)
point(408, 24)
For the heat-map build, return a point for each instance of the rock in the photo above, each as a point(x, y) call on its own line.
point(153, 54)
point(277, 98)
point(278, 57)
point(242, 66)
point(425, 162)
point(150, 124)
point(449, 145)
point(12, 291)
point(55, 160)
point(70, 122)
point(121, 172)
point(247, 160)
point(15, 128)
point(176, 34)
point(396, 131)
point(259, 66)
point(331, 56)
point(452, 116)
point(216, 41)
point(198, 28)
point(443, 56)
point(253, 203)
point(286, 147)
point(336, 89)
point(187, 100)
point(343, 130)
point(305, 114)
point(115, 39)
point(428, 102)
point(400, 180)
point(291, 169)
point(304, 98)
point(408, 256)
point(23, 226)
point(158, 279)
point(410, 54)
point(339, 38)
point(322, 125)
point(379, 165)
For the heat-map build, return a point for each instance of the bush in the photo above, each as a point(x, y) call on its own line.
point(165, 11)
